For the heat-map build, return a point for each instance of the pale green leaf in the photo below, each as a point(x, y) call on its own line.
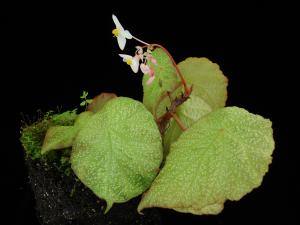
point(60, 137)
point(224, 155)
point(207, 79)
point(188, 113)
point(66, 118)
point(118, 152)
point(82, 119)
point(165, 80)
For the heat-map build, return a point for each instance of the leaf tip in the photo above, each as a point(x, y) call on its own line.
point(140, 208)
point(109, 205)
point(44, 150)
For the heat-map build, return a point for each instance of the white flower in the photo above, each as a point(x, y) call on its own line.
point(133, 62)
point(147, 70)
point(139, 52)
point(120, 33)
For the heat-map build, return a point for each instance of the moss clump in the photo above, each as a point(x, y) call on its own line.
point(32, 137)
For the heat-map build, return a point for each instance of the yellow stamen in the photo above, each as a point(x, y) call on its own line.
point(116, 32)
point(129, 61)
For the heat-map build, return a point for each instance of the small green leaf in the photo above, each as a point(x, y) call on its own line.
point(224, 155)
point(84, 95)
point(118, 152)
point(166, 80)
point(189, 112)
point(99, 101)
point(89, 101)
point(83, 103)
point(60, 137)
point(207, 79)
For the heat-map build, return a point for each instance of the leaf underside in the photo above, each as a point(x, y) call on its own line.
point(99, 101)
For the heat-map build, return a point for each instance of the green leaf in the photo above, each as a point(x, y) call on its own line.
point(165, 80)
point(82, 119)
point(66, 118)
point(207, 79)
point(83, 103)
point(99, 101)
point(189, 112)
point(118, 152)
point(84, 95)
point(222, 156)
point(60, 137)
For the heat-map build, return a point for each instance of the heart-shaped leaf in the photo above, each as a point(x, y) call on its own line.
point(224, 155)
point(118, 152)
point(207, 79)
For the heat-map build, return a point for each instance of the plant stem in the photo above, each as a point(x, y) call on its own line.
point(139, 40)
point(163, 96)
point(178, 121)
point(164, 119)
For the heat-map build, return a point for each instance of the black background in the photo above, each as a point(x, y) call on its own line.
point(54, 56)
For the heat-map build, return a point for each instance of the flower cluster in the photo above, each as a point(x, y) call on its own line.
point(141, 57)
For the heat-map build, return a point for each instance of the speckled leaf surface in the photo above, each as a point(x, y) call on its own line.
point(165, 80)
point(189, 112)
point(118, 152)
point(60, 137)
point(222, 156)
point(207, 79)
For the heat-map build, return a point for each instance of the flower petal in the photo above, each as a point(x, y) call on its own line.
point(139, 50)
point(124, 56)
point(135, 65)
point(127, 34)
point(151, 72)
point(150, 80)
point(145, 68)
point(153, 60)
point(121, 42)
point(117, 23)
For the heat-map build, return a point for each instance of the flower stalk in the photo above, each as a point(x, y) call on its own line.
point(139, 60)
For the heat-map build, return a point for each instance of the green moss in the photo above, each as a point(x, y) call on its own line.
point(32, 137)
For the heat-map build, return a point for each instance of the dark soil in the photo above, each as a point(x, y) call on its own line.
point(64, 200)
